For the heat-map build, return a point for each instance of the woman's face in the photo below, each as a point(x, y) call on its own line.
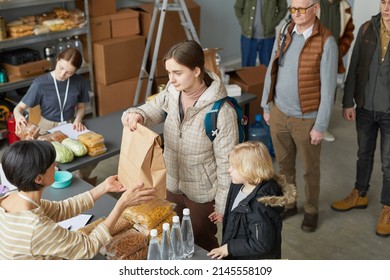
point(64, 70)
point(182, 77)
point(48, 176)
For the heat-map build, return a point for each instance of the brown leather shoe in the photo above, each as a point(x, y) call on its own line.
point(309, 223)
point(383, 225)
point(288, 212)
point(354, 200)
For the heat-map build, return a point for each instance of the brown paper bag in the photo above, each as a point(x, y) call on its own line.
point(141, 160)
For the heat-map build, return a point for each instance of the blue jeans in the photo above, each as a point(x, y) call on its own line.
point(368, 123)
point(250, 48)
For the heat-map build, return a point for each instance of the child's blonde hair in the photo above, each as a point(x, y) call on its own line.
point(253, 161)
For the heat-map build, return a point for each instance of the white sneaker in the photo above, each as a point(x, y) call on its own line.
point(329, 136)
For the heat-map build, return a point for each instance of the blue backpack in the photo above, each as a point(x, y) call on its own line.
point(210, 119)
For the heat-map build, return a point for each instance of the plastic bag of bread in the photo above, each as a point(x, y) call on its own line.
point(58, 136)
point(61, 12)
point(45, 137)
point(91, 139)
point(41, 29)
point(124, 245)
point(150, 214)
point(45, 16)
point(97, 150)
point(28, 132)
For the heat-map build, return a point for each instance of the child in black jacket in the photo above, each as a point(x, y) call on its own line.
point(252, 224)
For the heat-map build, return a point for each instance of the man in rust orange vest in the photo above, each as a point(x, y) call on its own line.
point(298, 98)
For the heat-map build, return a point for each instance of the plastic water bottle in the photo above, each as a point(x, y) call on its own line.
point(154, 248)
point(187, 234)
point(166, 248)
point(78, 45)
point(69, 43)
point(259, 131)
point(61, 46)
point(176, 238)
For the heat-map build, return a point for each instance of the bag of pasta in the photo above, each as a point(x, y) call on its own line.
point(146, 231)
point(125, 244)
point(150, 214)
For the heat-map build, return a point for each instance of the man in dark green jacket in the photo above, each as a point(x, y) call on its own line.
point(367, 101)
point(258, 20)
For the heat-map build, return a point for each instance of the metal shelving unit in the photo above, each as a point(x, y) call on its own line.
point(51, 36)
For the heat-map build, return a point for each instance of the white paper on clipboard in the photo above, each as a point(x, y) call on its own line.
point(68, 130)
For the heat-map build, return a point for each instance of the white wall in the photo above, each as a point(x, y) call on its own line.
point(220, 28)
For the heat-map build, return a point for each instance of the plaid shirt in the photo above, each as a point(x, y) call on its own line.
point(195, 166)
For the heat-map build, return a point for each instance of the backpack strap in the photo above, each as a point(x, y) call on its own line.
point(210, 119)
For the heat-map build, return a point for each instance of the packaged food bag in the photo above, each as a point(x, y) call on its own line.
point(125, 244)
point(150, 214)
point(141, 160)
point(28, 132)
point(91, 139)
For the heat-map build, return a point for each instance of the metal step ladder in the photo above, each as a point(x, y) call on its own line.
point(162, 7)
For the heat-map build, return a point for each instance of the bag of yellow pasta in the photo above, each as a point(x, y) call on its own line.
point(150, 214)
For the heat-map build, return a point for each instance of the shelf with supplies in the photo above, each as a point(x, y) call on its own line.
point(13, 10)
point(32, 39)
point(27, 81)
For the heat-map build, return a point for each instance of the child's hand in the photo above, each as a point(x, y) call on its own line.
point(219, 253)
point(215, 217)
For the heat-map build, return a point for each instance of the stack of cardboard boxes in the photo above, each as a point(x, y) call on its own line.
point(119, 37)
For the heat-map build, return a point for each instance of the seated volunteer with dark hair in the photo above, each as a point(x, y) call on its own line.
point(28, 223)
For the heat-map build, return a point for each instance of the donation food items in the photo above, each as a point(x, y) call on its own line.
point(28, 132)
point(129, 245)
point(63, 153)
point(58, 19)
point(78, 148)
point(150, 215)
point(94, 143)
point(90, 143)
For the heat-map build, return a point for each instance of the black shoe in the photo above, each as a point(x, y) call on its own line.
point(288, 212)
point(309, 223)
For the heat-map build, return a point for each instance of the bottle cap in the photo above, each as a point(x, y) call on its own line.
point(166, 226)
point(153, 232)
point(186, 211)
point(176, 219)
point(258, 118)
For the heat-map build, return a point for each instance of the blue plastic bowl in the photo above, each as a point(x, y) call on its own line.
point(62, 179)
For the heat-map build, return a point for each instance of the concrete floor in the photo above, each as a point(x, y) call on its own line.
point(340, 236)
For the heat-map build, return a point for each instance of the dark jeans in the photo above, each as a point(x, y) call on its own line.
point(368, 123)
point(251, 47)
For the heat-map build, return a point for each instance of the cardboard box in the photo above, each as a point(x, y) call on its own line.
point(251, 80)
point(117, 96)
point(98, 7)
point(118, 59)
point(27, 69)
point(173, 31)
point(100, 28)
point(125, 22)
